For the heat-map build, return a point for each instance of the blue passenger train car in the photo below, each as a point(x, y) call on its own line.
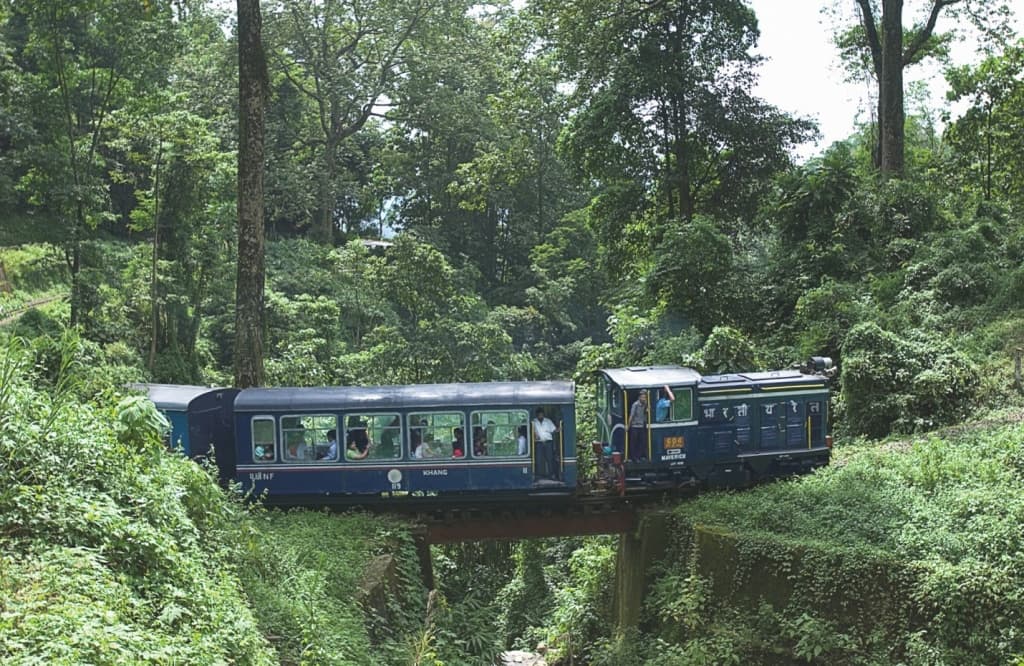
point(672, 426)
point(200, 416)
point(336, 444)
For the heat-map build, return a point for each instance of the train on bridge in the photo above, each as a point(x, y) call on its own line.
point(659, 427)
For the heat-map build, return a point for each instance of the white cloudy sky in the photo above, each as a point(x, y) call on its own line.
point(803, 73)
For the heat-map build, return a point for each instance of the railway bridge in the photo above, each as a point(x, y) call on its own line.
point(639, 522)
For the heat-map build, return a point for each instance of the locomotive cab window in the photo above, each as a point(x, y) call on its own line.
point(682, 406)
point(437, 435)
point(616, 400)
point(503, 433)
point(673, 405)
point(264, 440)
point(306, 438)
point(371, 437)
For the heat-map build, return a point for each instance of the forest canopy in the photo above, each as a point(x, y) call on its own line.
point(457, 192)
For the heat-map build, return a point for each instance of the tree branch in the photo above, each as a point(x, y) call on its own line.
point(921, 38)
point(871, 31)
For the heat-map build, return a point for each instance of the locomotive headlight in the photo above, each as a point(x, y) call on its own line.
point(820, 363)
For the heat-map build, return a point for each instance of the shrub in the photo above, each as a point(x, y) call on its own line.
point(112, 550)
point(725, 350)
point(903, 383)
point(826, 313)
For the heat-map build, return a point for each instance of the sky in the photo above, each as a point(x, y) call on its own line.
point(803, 74)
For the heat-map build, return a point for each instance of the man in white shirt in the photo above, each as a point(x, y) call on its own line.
point(544, 438)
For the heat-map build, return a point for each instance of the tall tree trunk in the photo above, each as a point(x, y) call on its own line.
point(252, 92)
point(153, 290)
point(888, 58)
point(890, 89)
point(325, 225)
point(73, 258)
point(683, 182)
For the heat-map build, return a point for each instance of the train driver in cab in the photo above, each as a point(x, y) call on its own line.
point(663, 408)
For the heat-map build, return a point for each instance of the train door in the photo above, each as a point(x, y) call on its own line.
point(638, 439)
point(612, 417)
point(610, 414)
point(547, 435)
point(816, 423)
point(740, 416)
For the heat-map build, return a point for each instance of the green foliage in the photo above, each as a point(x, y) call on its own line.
point(33, 271)
point(958, 268)
point(725, 350)
point(581, 610)
point(467, 616)
point(643, 117)
point(898, 552)
point(986, 138)
point(903, 383)
point(525, 601)
point(826, 313)
point(694, 273)
point(113, 549)
point(333, 589)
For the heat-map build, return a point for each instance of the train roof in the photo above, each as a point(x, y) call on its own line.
point(173, 396)
point(652, 375)
point(334, 398)
point(779, 378)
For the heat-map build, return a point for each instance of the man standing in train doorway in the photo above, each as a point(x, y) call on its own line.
point(637, 444)
point(544, 439)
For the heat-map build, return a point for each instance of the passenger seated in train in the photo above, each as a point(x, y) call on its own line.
point(479, 441)
point(458, 445)
point(420, 449)
point(522, 447)
point(296, 448)
point(332, 446)
point(353, 452)
point(388, 437)
point(357, 434)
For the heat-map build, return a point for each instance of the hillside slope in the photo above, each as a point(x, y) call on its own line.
point(900, 552)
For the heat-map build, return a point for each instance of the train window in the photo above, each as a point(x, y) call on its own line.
point(682, 406)
point(306, 438)
point(264, 443)
point(373, 437)
point(437, 435)
point(602, 395)
point(501, 433)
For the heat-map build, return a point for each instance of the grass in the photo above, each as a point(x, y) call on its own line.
point(36, 276)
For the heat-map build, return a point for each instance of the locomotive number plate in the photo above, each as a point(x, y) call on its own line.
point(674, 442)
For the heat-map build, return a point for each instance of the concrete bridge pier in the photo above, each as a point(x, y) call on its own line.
point(638, 550)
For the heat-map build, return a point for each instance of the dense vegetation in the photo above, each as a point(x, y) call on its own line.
point(114, 550)
point(563, 186)
point(905, 552)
